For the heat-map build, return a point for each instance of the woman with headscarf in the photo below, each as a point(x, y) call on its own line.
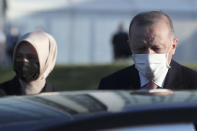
point(34, 58)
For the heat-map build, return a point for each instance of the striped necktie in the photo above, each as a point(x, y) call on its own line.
point(150, 85)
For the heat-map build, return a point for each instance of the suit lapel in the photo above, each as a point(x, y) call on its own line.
point(174, 79)
point(134, 79)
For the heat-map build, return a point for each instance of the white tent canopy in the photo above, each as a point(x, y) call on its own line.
point(138, 5)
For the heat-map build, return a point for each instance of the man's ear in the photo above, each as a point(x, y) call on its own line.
point(174, 45)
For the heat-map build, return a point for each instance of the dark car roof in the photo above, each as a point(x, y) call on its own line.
point(87, 108)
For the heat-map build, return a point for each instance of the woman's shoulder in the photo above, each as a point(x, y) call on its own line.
point(10, 85)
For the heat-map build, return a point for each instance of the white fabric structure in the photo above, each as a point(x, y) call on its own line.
point(83, 28)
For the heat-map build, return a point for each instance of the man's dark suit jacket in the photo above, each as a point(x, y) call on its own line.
point(12, 87)
point(178, 78)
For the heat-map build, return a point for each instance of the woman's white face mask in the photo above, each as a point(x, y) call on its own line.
point(152, 65)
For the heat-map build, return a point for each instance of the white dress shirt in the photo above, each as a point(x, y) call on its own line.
point(159, 82)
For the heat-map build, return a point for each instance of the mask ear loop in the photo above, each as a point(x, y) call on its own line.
point(168, 65)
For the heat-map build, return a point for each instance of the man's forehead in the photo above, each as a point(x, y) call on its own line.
point(157, 34)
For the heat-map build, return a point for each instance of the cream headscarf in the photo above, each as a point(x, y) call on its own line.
point(46, 48)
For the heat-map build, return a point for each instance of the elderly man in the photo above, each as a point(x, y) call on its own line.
point(152, 41)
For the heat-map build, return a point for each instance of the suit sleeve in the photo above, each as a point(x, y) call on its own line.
point(106, 84)
point(192, 80)
point(101, 85)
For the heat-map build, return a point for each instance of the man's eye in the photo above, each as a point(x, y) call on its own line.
point(156, 48)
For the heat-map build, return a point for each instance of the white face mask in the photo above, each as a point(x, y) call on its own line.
point(152, 65)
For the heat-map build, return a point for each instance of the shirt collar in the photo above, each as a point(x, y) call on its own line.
point(159, 82)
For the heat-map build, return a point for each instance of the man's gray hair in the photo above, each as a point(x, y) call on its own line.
point(150, 18)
